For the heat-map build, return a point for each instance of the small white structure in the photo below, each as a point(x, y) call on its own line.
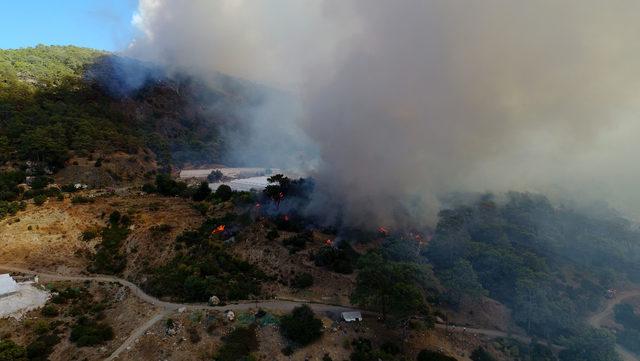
point(16, 299)
point(352, 316)
point(8, 285)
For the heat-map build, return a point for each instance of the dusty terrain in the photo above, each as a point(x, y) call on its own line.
point(109, 170)
point(157, 343)
point(484, 313)
point(48, 237)
point(123, 312)
point(275, 260)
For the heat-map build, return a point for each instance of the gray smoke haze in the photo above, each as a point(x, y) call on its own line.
point(405, 101)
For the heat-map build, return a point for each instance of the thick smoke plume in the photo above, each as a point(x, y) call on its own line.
point(408, 100)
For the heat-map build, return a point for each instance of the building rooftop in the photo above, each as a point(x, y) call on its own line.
point(7, 285)
point(352, 316)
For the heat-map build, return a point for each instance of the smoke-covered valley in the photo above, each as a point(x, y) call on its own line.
point(399, 103)
point(435, 180)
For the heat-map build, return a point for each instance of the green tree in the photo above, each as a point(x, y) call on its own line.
point(223, 193)
point(5, 148)
point(462, 280)
point(480, 354)
point(87, 332)
point(39, 199)
point(301, 326)
point(202, 192)
point(238, 345)
point(389, 287)
point(302, 280)
point(215, 176)
point(428, 355)
point(591, 345)
point(9, 351)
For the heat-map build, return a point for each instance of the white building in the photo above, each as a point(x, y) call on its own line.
point(8, 285)
point(352, 316)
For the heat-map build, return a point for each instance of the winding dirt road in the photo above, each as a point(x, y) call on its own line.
point(287, 305)
point(598, 319)
point(168, 307)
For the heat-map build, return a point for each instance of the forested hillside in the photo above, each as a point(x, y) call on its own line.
point(552, 266)
point(59, 101)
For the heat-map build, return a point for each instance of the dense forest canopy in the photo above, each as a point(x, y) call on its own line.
point(59, 101)
point(551, 265)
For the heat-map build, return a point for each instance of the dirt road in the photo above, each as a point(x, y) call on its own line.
point(279, 305)
point(287, 305)
point(136, 334)
point(598, 319)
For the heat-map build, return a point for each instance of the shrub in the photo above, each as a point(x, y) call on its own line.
point(69, 188)
point(108, 257)
point(428, 355)
point(10, 351)
point(202, 208)
point(41, 327)
point(480, 354)
point(390, 348)
point(203, 268)
point(625, 315)
point(149, 188)
point(363, 350)
point(89, 333)
point(339, 260)
point(202, 192)
point(223, 193)
point(238, 344)
point(41, 182)
point(81, 199)
point(160, 230)
point(215, 176)
point(41, 347)
point(273, 234)
point(297, 243)
point(169, 187)
point(630, 339)
point(287, 351)
point(89, 234)
point(49, 311)
point(114, 217)
point(301, 326)
point(302, 280)
point(194, 336)
point(39, 199)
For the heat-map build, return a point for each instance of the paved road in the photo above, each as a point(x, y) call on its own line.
point(598, 319)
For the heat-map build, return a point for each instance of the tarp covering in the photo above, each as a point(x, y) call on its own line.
point(7, 285)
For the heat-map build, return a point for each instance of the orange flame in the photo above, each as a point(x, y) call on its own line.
point(218, 229)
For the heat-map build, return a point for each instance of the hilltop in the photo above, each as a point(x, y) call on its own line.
point(142, 265)
point(62, 102)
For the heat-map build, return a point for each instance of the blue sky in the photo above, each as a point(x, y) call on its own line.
point(100, 24)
